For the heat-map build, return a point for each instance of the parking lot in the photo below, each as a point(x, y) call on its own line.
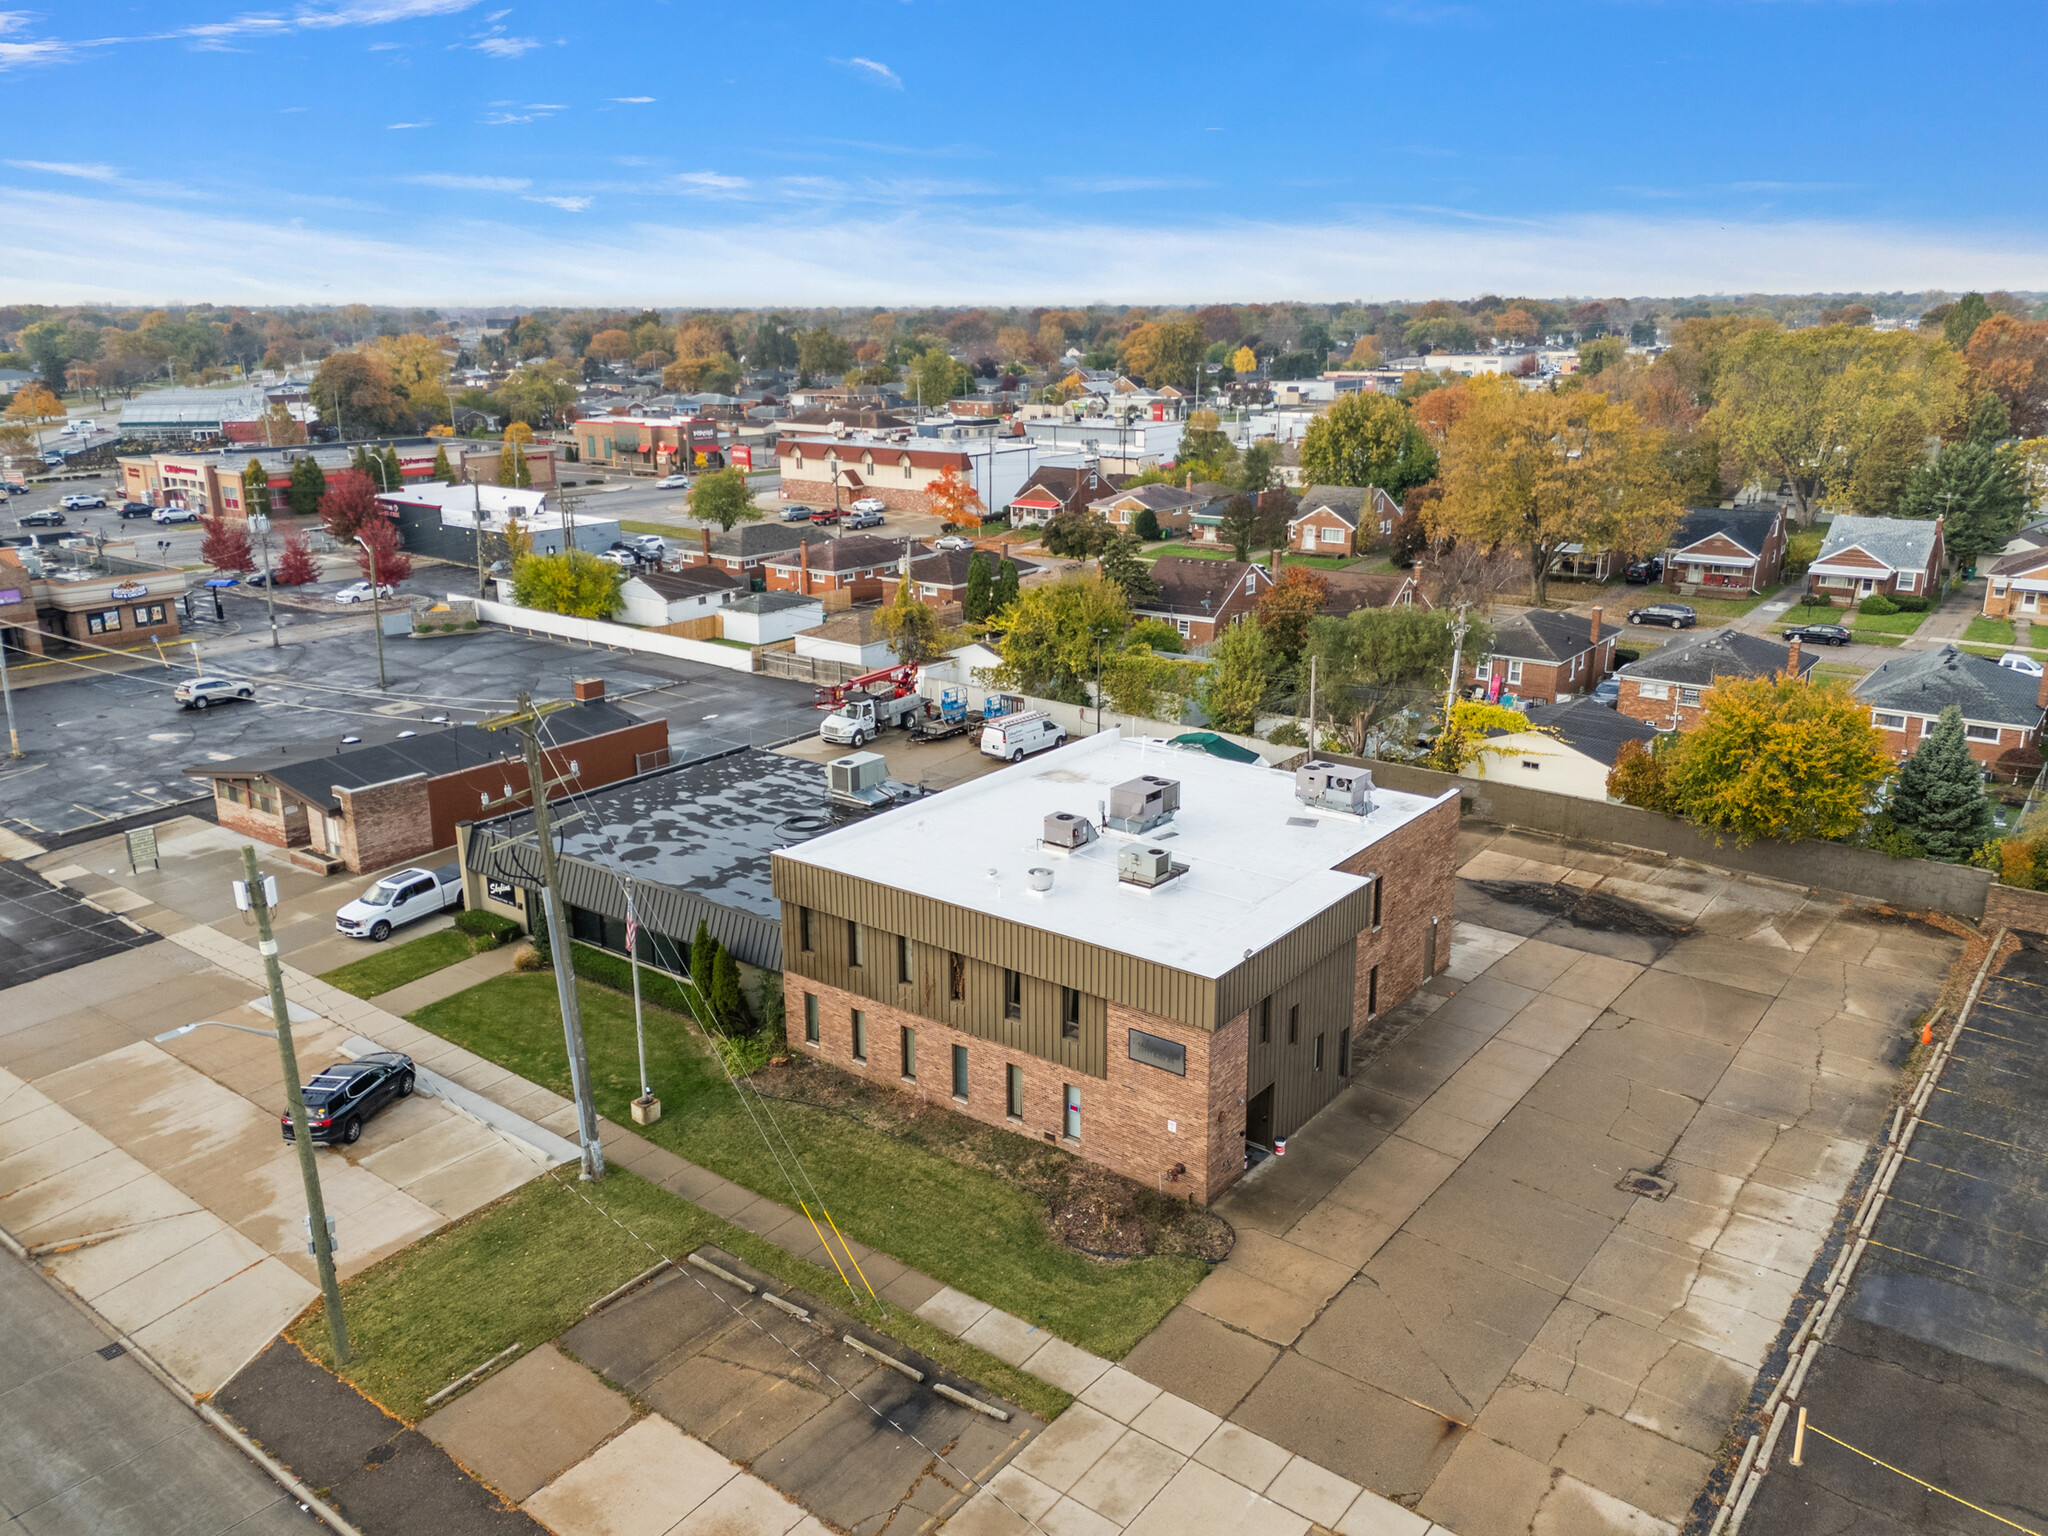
point(113, 744)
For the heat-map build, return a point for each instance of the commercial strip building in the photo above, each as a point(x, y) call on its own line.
point(655, 440)
point(210, 482)
point(369, 805)
point(1150, 957)
point(46, 606)
point(445, 522)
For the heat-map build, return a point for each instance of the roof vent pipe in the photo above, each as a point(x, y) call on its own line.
point(1039, 880)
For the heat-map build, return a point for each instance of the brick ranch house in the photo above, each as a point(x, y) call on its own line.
point(1865, 556)
point(859, 563)
point(941, 577)
point(1053, 1000)
point(1173, 506)
point(1726, 549)
point(1666, 688)
point(2015, 585)
point(1544, 658)
point(369, 806)
point(1202, 598)
point(1343, 520)
point(745, 549)
point(1055, 488)
point(2002, 709)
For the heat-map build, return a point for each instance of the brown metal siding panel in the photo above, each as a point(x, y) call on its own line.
point(1324, 995)
point(1272, 967)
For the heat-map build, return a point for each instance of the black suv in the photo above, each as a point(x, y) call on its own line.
point(1642, 571)
point(42, 517)
point(135, 509)
point(1817, 634)
point(1677, 615)
point(342, 1097)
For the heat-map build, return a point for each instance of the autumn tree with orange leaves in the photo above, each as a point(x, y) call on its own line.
point(955, 499)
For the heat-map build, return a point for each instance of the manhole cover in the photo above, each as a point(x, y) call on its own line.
point(111, 1351)
point(1638, 1183)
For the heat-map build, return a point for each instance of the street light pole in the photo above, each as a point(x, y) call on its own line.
point(376, 605)
point(262, 522)
point(7, 693)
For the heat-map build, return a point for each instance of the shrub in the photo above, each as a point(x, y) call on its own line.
point(1146, 525)
point(1156, 635)
point(1289, 735)
point(488, 929)
point(1876, 606)
point(528, 959)
point(1816, 600)
point(616, 972)
point(469, 624)
point(1912, 604)
point(537, 927)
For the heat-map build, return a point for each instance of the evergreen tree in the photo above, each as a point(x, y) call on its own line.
point(361, 465)
point(1980, 493)
point(1006, 587)
point(1990, 421)
point(1124, 569)
point(393, 470)
point(1940, 793)
point(443, 470)
point(256, 488)
point(703, 949)
point(728, 1005)
point(308, 485)
point(974, 608)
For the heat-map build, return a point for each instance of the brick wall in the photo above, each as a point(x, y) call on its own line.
point(900, 497)
point(2007, 906)
point(276, 828)
point(1124, 1119)
point(1660, 712)
point(384, 824)
point(1418, 871)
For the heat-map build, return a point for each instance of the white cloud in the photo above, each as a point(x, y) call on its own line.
point(566, 204)
point(881, 73)
point(708, 181)
point(388, 126)
point(68, 168)
point(452, 183)
point(213, 35)
point(634, 101)
point(144, 252)
point(506, 47)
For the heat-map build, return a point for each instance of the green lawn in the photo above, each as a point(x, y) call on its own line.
point(1203, 552)
point(388, 966)
point(1705, 607)
point(966, 1226)
point(522, 1269)
point(1987, 631)
point(660, 530)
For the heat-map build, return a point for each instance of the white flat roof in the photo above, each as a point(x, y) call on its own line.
point(1255, 873)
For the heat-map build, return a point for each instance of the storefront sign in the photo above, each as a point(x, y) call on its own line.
point(128, 589)
point(499, 890)
point(10, 595)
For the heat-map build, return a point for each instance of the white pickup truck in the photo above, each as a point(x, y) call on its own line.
point(401, 897)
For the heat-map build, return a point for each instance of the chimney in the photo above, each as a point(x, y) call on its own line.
point(706, 531)
point(587, 690)
point(1596, 626)
point(1191, 479)
point(1792, 660)
point(803, 568)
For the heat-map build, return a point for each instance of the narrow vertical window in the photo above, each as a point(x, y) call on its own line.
point(810, 1018)
point(856, 946)
point(903, 973)
point(860, 1035)
point(1378, 885)
point(906, 1039)
point(1070, 1013)
point(960, 1072)
point(1317, 1064)
point(1013, 995)
point(1294, 1023)
point(1015, 1100)
point(1070, 1115)
point(803, 929)
point(1344, 1051)
point(1372, 992)
point(1266, 1021)
point(956, 978)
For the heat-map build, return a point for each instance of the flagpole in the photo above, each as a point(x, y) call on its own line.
point(646, 1108)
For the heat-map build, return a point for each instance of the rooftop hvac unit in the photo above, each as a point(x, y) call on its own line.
point(1140, 804)
point(1063, 829)
point(1139, 865)
point(1334, 788)
point(857, 771)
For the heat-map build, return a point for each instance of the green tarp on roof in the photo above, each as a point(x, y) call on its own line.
point(1216, 746)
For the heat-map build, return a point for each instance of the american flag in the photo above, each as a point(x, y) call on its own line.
point(632, 928)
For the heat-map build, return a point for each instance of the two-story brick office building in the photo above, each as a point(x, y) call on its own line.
point(1148, 957)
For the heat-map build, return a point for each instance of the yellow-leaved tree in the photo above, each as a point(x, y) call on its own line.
point(1471, 731)
point(1778, 758)
point(1533, 472)
point(1244, 360)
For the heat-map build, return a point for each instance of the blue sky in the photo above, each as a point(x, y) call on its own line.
point(883, 152)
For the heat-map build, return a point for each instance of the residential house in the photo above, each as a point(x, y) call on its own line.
point(1569, 749)
point(1172, 506)
point(862, 564)
point(763, 618)
point(1157, 1041)
point(2016, 581)
point(1726, 549)
point(2001, 708)
point(1575, 562)
point(1862, 556)
point(1542, 657)
point(655, 598)
point(851, 638)
point(1350, 591)
point(1667, 687)
point(1343, 520)
point(941, 577)
point(749, 546)
point(1201, 597)
point(1056, 488)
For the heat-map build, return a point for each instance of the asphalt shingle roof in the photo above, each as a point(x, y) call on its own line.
point(1591, 728)
point(1927, 682)
point(1540, 635)
point(690, 581)
point(1344, 501)
point(1707, 654)
point(1191, 585)
point(1748, 526)
point(1903, 543)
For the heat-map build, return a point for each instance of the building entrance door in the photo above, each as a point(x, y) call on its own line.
point(1258, 1119)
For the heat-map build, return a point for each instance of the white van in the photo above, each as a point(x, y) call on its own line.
point(1014, 735)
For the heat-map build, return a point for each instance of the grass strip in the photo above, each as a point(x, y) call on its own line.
point(966, 1226)
point(1989, 631)
point(522, 1269)
point(387, 968)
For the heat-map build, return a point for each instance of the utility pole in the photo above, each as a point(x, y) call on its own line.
point(526, 720)
point(280, 1012)
point(7, 693)
point(376, 605)
point(1457, 657)
point(261, 521)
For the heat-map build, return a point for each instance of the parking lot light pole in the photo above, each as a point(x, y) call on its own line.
point(376, 605)
point(261, 521)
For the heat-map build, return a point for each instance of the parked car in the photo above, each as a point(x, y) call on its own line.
point(870, 504)
point(1014, 735)
point(341, 1097)
point(13, 488)
point(796, 514)
point(864, 519)
point(200, 692)
point(827, 515)
point(2020, 662)
point(42, 517)
point(953, 541)
point(136, 509)
point(359, 592)
point(650, 546)
point(1641, 571)
point(1608, 691)
point(1677, 615)
point(625, 559)
point(257, 579)
point(78, 501)
point(168, 515)
point(672, 483)
point(398, 899)
point(1817, 634)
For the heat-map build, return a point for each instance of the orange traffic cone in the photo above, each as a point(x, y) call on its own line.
point(1927, 1031)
